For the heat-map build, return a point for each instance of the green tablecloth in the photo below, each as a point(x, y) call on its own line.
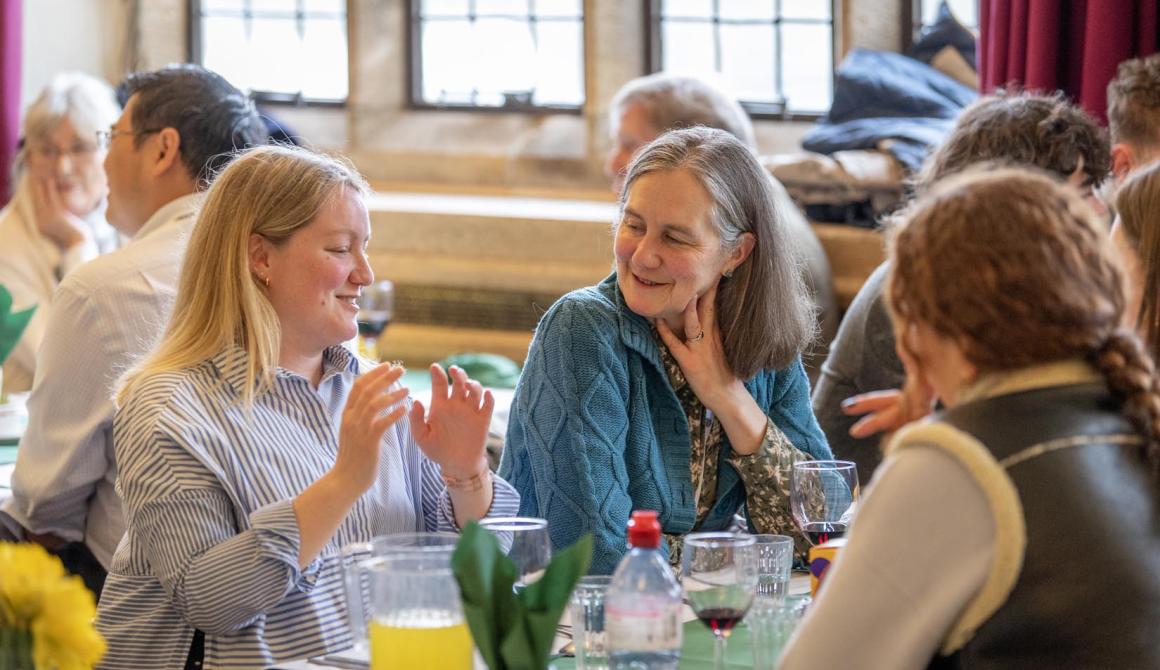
point(7, 453)
point(697, 651)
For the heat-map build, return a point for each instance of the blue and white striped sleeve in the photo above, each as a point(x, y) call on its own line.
point(438, 512)
point(187, 529)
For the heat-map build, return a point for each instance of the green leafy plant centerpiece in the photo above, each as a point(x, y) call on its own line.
point(513, 631)
point(12, 325)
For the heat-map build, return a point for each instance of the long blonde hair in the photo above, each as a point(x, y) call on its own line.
point(270, 191)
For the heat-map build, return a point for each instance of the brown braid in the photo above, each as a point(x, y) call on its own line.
point(1131, 375)
point(1017, 270)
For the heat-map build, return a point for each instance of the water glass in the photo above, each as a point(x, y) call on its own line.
point(587, 614)
point(525, 540)
point(771, 624)
point(774, 562)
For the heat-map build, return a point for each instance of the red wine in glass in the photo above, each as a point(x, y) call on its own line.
point(823, 498)
point(721, 620)
point(719, 573)
point(823, 531)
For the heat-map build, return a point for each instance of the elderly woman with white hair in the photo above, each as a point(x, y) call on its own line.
point(55, 220)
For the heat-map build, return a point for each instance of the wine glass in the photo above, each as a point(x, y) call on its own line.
point(525, 540)
point(719, 573)
point(376, 306)
point(823, 497)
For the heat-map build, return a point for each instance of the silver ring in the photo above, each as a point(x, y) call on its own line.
point(699, 336)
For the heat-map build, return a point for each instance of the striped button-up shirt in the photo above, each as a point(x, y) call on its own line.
point(212, 538)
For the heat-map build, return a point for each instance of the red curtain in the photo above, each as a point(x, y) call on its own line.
point(9, 91)
point(1069, 45)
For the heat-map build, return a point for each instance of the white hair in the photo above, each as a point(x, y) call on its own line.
point(677, 101)
point(87, 102)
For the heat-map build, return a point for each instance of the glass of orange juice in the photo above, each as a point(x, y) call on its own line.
point(411, 607)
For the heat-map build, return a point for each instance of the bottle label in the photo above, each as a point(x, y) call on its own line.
point(656, 630)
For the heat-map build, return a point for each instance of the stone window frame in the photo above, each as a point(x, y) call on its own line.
point(415, 67)
point(508, 152)
point(756, 110)
point(195, 48)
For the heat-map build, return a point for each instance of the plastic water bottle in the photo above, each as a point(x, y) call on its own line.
point(642, 611)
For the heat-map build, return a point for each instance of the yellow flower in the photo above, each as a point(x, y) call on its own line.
point(37, 595)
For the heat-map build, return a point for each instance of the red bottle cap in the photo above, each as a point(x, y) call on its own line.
point(644, 531)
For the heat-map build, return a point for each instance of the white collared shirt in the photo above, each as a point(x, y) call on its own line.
point(106, 315)
point(31, 267)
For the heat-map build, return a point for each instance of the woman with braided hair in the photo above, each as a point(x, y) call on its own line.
point(1019, 526)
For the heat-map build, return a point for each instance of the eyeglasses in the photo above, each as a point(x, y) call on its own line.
point(50, 153)
point(105, 137)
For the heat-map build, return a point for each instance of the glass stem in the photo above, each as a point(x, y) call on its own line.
point(718, 651)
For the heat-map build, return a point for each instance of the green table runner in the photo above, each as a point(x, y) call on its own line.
point(697, 651)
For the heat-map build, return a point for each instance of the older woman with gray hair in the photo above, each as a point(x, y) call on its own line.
point(676, 383)
point(55, 220)
point(647, 106)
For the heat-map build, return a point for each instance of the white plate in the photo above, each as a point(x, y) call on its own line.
point(14, 416)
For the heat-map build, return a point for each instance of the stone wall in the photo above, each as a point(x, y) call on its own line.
point(391, 142)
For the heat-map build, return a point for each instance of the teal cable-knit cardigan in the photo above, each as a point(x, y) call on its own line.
point(596, 430)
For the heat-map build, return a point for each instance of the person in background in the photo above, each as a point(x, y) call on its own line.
point(1134, 115)
point(1016, 528)
point(180, 124)
point(1043, 131)
point(56, 219)
point(1138, 226)
point(647, 106)
point(253, 446)
point(676, 383)
point(1134, 125)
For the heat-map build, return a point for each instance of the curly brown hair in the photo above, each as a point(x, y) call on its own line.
point(1134, 102)
point(1018, 270)
point(1044, 131)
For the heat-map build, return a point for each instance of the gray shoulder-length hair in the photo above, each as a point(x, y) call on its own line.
point(764, 310)
point(87, 102)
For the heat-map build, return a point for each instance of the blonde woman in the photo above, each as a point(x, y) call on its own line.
point(56, 218)
point(253, 446)
point(1017, 528)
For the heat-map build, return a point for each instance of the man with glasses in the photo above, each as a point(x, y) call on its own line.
point(179, 126)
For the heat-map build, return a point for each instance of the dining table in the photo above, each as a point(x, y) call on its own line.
point(13, 421)
point(696, 651)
